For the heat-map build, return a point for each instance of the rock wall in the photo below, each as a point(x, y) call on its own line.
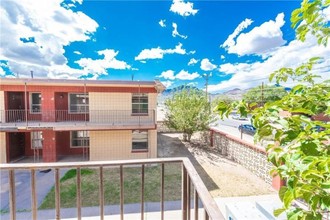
point(248, 155)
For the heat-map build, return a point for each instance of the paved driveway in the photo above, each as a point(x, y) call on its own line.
point(44, 183)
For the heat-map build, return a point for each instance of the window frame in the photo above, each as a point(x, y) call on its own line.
point(81, 139)
point(33, 139)
point(80, 112)
point(147, 142)
point(31, 103)
point(143, 95)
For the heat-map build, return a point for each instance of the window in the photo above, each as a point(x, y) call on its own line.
point(79, 139)
point(36, 139)
point(35, 102)
point(139, 140)
point(78, 103)
point(139, 103)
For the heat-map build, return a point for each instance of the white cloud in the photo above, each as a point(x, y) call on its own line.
point(167, 83)
point(158, 53)
point(229, 68)
point(51, 26)
point(184, 75)
point(222, 57)
point(230, 42)
point(77, 52)
point(176, 33)
point(192, 84)
point(79, 1)
point(162, 23)
point(169, 74)
point(192, 61)
point(183, 8)
point(247, 75)
point(2, 72)
point(326, 13)
point(99, 66)
point(260, 40)
point(206, 65)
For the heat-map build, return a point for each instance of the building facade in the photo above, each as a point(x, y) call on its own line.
point(48, 119)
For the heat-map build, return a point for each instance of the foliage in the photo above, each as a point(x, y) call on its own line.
point(301, 151)
point(310, 18)
point(222, 98)
point(261, 94)
point(188, 111)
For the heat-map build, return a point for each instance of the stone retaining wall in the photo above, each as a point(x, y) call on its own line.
point(248, 155)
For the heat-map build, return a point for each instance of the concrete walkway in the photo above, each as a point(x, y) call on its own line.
point(44, 182)
point(239, 208)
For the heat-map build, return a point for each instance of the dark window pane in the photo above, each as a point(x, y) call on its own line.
point(79, 103)
point(140, 146)
point(139, 140)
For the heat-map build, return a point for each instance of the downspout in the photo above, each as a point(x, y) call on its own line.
point(139, 105)
point(85, 102)
point(25, 105)
point(85, 154)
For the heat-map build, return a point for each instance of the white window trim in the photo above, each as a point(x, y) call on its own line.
point(32, 146)
point(30, 100)
point(141, 94)
point(76, 146)
point(141, 150)
point(69, 101)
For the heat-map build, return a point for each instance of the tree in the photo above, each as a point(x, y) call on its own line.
point(222, 98)
point(188, 111)
point(301, 151)
point(262, 94)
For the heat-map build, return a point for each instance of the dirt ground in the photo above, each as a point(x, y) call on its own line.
point(222, 177)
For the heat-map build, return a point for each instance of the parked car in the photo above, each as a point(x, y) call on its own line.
point(318, 128)
point(247, 129)
point(239, 117)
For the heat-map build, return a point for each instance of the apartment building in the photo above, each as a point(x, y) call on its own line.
point(48, 119)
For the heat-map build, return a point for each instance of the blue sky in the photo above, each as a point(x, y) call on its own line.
point(237, 43)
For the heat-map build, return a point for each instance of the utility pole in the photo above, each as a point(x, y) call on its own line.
point(262, 93)
point(206, 76)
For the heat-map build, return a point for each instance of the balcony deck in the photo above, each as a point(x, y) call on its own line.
point(196, 202)
point(11, 120)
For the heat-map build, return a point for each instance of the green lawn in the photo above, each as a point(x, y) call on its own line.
point(132, 186)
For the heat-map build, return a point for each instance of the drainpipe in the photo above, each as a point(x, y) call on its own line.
point(85, 103)
point(139, 105)
point(25, 105)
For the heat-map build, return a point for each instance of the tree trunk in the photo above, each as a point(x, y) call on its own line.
point(189, 137)
point(184, 137)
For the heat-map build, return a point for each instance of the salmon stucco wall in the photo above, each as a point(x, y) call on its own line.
point(117, 107)
point(2, 106)
point(117, 145)
point(3, 153)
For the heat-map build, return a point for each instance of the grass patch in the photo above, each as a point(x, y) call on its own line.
point(111, 183)
point(73, 173)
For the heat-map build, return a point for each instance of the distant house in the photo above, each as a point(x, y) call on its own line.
point(98, 120)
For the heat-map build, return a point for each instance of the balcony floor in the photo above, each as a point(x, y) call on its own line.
point(76, 125)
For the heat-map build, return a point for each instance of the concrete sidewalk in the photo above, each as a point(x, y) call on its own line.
point(44, 183)
point(244, 208)
point(133, 210)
